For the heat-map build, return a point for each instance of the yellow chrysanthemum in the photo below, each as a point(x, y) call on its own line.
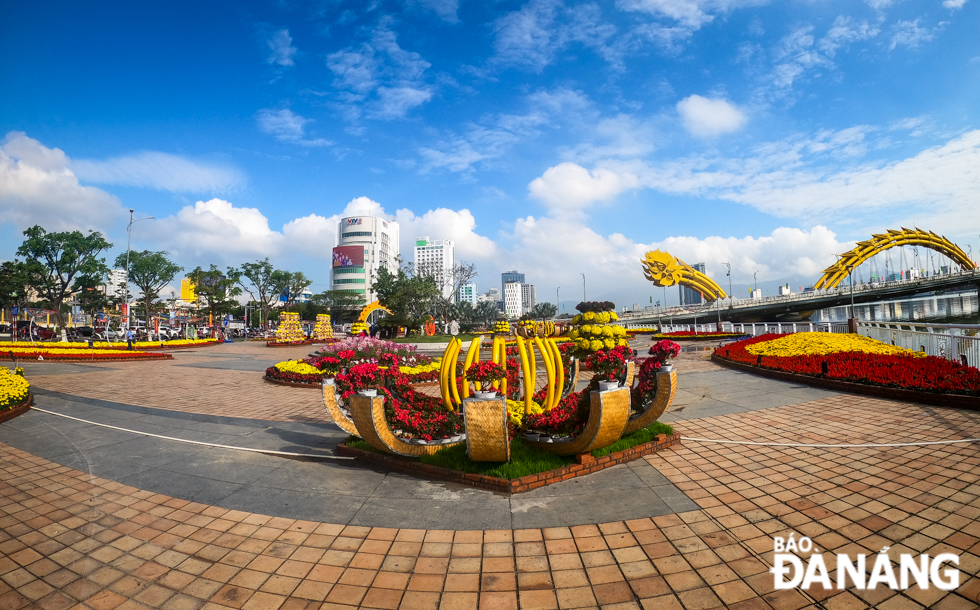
point(609, 343)
point(588, 316)
point(596, 345)
point(602, 317)
point(819, 344)
point(299, 367)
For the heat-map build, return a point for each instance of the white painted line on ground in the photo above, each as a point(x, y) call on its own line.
point(184, 440)
point(922, 444)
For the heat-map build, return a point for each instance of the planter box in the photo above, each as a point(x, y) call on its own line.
point(929, 398)
point(23, 407)
point(584, 464)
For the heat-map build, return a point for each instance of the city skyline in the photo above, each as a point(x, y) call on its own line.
point(558, 138)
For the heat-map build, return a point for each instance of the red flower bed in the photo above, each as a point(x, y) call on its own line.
point(273, 373)
point(691, 333)
point(929, 374)
point(82, 355)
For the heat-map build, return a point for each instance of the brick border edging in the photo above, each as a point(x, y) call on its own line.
point(584, 464)
point(20, 409)
point(942, 400)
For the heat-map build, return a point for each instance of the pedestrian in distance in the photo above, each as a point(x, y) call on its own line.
point(129, 339)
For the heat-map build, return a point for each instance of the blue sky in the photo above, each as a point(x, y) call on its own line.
point(551, 137)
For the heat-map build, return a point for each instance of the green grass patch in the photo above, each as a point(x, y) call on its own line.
point(434, 338)
point(643, 435)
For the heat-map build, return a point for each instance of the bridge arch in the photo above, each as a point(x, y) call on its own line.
point(665, 269)
point(833, 275)
point(375, 305)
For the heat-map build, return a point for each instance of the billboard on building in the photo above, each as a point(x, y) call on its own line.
point(187, 292)
point(348, 256)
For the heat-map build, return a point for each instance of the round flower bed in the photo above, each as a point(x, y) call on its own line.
point(593, 332)
point(855, 359)
point(342, 355)
point(14, 388)
point(117, 345)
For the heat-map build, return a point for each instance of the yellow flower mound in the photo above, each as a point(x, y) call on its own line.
point(299, 367)
point(424, 368)
point(820, 344)
point(13, 388)
point(515, 411)
point(589, 316)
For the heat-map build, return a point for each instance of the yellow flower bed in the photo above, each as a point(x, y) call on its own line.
point(424, 368)
point(68, 351)
point(106, 344)
point(13, 388)
point(820, 344)
point(299, 367)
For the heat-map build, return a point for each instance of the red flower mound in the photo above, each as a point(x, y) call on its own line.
point(929, 374)
point(691, 333)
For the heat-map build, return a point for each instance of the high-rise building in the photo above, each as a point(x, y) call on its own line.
point(363, 244)
point(114, 288)
point(528, 300)
point(468, 292)
point(513, 299)
point(689, 296)
point(436, 258)
point(510, 276)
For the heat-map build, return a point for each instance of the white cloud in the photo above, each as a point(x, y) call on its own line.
point(38, 186)
point(954, 4)
point(287, 126)
point(162, 171)
point(909, 34)
point(845, 31)
point(218, 228)
point(281, 49)
point(379, 77)
point(568, 187)
point(443, 223)
point(706, 117)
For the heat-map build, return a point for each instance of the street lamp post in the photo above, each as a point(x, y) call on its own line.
point(584, 298)
point(852, 321)
point(129, 240)
point(557, 301)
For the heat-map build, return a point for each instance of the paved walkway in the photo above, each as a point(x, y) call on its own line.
point(75, 532)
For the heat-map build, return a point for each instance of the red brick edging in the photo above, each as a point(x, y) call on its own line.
point(585, 464)
point(23, 407)
point(930, 398)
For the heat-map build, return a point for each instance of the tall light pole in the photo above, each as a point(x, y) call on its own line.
point(583, 287)
point(755, 276)
point(557, 301)
point(129, 241)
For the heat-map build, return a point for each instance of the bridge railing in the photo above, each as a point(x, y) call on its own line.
point(957, 342)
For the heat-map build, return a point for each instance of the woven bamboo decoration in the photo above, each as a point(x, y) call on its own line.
point(369, 417)
point(329, 392)
point(607, 418)
point(666, 388)
point(486, 430)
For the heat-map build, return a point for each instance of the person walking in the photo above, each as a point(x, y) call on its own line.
point(129, 339)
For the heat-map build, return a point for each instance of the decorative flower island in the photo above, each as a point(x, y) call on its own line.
point(492, 418)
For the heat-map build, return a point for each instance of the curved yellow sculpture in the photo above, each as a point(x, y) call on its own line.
point(666, 388)
point(369, 418)
point(369, 308)
point(833, 275)
point(665, 269)
point(328, 389)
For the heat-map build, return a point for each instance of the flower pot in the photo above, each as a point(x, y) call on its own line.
point(666, 367)
point(416, 441)
point(531, 436)
point(458, 437)
point(368, 392)
point(544, 438)
point(605, 386)
point(485, 395)
point(445, 441)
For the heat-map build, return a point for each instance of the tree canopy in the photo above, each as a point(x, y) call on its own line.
point(260, 285)
point(54, 260)
point(408, 296)
point(150, 272)
point(217, 289)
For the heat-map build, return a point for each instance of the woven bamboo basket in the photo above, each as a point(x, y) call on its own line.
point(369, 419)
point(329, 392)
point(608, 415)
point(666, 389)
point(487, 439)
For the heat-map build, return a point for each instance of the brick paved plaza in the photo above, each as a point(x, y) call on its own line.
point(78, 533)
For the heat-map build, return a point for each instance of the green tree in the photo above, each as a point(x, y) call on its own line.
point(409, 297)
point(54, 260)
point(217, 289)
point(486, 312)
point(543, 311)
point(260, 285)
point(89, 294)
point(150, 272)
point(289, 283)
point(13, 280)
point(342, 305)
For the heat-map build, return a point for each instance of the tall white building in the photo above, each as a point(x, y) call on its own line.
point(363, 244)
point(468, 292)
point(114, 284)
point(513, 299)
point(436, 257)
point(528, 300)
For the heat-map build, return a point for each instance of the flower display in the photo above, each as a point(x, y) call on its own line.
point(813, 344)
point(664, 350)
point(105, 345)
point(485, 373)
point(592, 331)
point(501, 327)
point(290, 330)
point(334, 358)
point(57, 353)
point(593, 306)
point(14, 388)
point(907, 370)
point(608, 364)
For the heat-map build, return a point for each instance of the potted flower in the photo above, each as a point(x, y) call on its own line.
point(485, 373)
point(663, 351)
point(609, 366)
